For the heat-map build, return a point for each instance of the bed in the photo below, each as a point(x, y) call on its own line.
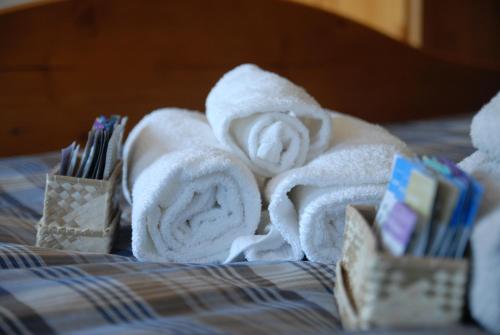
point(44, 291)
point(61, 62)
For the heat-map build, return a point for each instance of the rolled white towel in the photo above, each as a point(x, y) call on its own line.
point(485, 133)
point(190, 199)
point(307, 204)
point(484, 165)
point(484, 294)
point(270, 123)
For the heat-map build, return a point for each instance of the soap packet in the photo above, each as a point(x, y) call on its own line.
point(444, 201)
point(101, 152)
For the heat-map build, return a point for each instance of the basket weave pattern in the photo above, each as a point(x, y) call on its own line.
point(79, 214)
point(395, 291)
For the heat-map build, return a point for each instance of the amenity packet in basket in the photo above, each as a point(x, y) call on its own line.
point(81, 207)
point(405, 266)
point(376, 289)
point(444, 201)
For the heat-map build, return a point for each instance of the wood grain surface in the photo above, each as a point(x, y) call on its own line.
point(63, 63)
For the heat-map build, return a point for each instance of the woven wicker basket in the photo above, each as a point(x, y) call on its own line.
point(376, 289)
point(80, 214)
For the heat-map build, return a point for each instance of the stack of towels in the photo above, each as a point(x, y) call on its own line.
point(195, 182)
point(484, 164)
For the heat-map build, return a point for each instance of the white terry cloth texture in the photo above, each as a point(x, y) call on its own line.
point(190, 199)
point(307, 204)
point(272, 124)
point(484, 295)
point(484, 165)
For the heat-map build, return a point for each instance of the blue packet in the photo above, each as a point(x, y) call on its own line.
point(443, 234)
point(402, 168)
point(449, 200)
point(461, 227)
point(469, 214)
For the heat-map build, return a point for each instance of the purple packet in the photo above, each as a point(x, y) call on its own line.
point(398, 229)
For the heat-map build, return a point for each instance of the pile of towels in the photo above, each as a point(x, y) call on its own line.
point(195, 182)
point(484, 164)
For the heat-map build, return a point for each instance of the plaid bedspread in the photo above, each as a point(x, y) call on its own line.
point(44, 291)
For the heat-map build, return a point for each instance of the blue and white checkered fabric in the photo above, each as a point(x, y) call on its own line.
point(45, 291)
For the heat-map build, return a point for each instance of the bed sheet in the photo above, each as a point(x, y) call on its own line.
point(45, 291)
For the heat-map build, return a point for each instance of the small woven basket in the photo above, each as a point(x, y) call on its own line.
point(80, 214)
point(376, 289)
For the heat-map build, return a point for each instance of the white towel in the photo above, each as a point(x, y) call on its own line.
point(190, 199)
point(484, 293)
point(484, 296)
point(485, 133)
point(270, 123)
point(484, 165)
point(307, 204)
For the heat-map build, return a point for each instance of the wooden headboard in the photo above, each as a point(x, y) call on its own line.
point(64, 62)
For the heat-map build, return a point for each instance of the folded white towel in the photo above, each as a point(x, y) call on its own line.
point(190, 199)
point(484, 294)
point(307, 204)
point(484, 131)
point(270, 123)
point(484, 165)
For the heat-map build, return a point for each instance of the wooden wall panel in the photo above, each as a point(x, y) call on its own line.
point(64, 63)
point(463, 31)
point(399, 19)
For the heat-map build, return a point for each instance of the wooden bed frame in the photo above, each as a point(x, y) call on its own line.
point(64, 62)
